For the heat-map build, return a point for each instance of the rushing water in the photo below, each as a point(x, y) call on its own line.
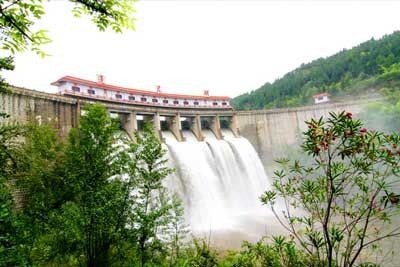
point(220, 182)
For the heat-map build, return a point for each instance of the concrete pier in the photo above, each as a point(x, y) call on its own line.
point(196, 127)
point(130, 124)
point(233, 125)
point(175, 127)
point(215, 127)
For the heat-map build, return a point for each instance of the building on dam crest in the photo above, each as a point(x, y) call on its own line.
point(168, 112)
point(73, 86)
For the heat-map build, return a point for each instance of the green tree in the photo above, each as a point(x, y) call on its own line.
point(281, 252)
point(34, 181)
point(94, 165)
point(70, 205)
point(97, 200)
point(200, 255)
point(343, 202)
point(75, 199)
point(150, 204)
point(38, 172)
point(391, 73)
point(356, 71)
point(9, 145)
point(17, 19)
point(10, 234)
point(176, 231)
point(6, 63)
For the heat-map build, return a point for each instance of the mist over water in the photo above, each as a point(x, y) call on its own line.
point(220, 182)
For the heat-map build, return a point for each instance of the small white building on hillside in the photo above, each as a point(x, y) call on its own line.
point(321, 98)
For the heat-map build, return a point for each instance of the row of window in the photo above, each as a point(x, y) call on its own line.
point(144, 99)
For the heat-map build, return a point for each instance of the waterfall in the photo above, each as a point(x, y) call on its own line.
point(220, 182)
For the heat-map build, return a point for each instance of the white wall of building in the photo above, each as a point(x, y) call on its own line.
point(100, 93)
point(322, 99)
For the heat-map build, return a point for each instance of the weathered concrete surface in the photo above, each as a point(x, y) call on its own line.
point(271, 131)
point(25, 105)
point(63, 111)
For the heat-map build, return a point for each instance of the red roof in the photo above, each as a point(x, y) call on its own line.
point(133, 91)
point(321, 95)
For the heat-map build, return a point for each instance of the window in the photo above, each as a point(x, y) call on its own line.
point(91, 91)
point(196, 103)
point(119, 96)
point(131, 97)
point(165, 101)
point(215, 103)
point(143, 99)
point(176, 102)
point(76, 89)
point(224, 103)
point(154, 100)
point(185, 103)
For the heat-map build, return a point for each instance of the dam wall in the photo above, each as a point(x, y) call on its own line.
point(271, 132)
point(63, 112)
point(274, 132)
point(24, 105)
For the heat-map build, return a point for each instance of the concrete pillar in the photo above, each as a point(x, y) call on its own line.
point(157, 126)
point(234, 126)
point(196, 128)
point(176, 127)
point(77, 114)
point(156, 122)
point(134, 121)
point(130, 125)
point(215, 127)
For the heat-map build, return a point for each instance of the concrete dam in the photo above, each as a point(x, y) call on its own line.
point(272, 131)
point(267, 130)
point(219, 154)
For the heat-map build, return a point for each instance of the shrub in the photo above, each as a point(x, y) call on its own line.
point(344, 201)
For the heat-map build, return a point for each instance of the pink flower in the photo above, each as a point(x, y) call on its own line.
point(363, 130)
point(349, 115)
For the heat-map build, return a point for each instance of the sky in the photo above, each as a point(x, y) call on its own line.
point(226, 47)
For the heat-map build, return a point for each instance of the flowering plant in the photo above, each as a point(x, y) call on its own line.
point(342, 203)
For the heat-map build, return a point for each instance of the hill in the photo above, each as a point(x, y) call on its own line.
point(363, 69)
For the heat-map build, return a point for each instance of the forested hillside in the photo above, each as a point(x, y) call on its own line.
point(363, 69)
